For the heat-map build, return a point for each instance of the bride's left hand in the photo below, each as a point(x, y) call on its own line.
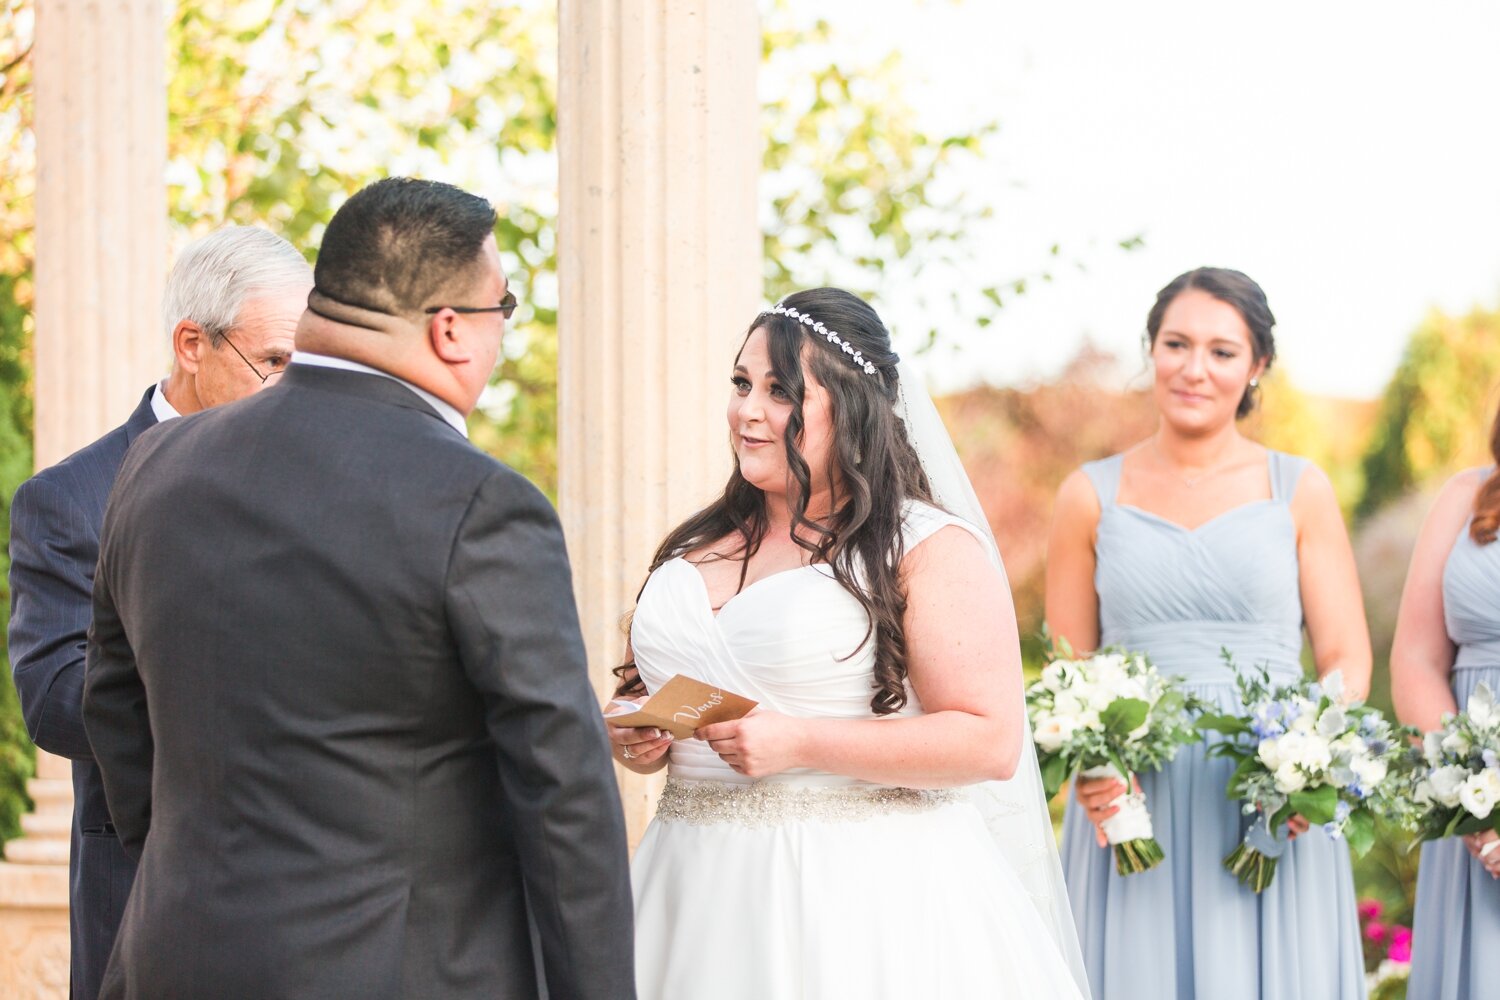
point(757, 745)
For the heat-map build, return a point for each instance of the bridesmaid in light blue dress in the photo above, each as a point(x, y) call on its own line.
point(1193, 541)
point(1447, 643)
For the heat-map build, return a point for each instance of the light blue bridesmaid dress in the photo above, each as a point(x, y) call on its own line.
point(1187, 929)
point(1456, 937)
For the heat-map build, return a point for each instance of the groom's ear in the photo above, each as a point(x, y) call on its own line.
point(445, 334)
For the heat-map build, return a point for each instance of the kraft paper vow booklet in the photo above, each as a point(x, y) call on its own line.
point(681, 706)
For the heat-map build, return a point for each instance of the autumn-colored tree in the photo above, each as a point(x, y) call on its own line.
point(1436, 411)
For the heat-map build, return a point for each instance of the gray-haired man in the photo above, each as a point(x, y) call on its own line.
point(231, 307)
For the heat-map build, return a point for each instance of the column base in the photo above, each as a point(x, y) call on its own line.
point(33, 932)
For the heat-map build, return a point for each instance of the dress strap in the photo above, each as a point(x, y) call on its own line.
point(921, 521)
point(1286, 470)
point(1105, 475)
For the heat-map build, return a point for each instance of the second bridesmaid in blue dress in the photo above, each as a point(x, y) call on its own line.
point(1193, 541)
point(1447, 644)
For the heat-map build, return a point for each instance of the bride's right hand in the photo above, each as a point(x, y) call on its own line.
point(1095, 795)
point(645, 745)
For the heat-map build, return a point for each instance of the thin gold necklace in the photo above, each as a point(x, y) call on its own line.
point(1191, 482)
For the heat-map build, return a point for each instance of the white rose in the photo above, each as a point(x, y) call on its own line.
point(1269, 753)
point(1052, 731)
point(1067, 703)
point(1446, 781)
point(1089, 719)
point(1306, 717)
point(1309, 751)
point(1289, 779)
point(1480, 792)
point(1425, 794)
point(1099, 698)
point(1370, 771)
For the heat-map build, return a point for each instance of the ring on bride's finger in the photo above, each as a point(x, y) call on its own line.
point(626, 754)
point(1484, 851)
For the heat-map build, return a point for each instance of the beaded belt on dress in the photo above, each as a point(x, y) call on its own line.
point(770, 804)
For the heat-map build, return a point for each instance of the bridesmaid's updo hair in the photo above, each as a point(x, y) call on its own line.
point(871, 463)
point(1487, 503)
point(1236, 289)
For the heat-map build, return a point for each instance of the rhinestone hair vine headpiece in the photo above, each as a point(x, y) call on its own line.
point(829, 335)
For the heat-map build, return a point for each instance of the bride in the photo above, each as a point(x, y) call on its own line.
point(824, 846)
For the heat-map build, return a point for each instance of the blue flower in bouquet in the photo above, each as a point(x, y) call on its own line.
point(1266, 722)
point(1302, 749)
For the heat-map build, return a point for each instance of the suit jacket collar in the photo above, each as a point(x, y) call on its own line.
point(361, 384)
point(143, 419)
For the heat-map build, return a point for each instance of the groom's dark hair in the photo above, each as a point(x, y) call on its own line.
point(398, 244)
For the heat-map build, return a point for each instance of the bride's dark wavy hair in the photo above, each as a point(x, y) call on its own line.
point(861, 538)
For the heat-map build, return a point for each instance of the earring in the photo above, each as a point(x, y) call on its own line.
point(858, 457)
point(1255, 383)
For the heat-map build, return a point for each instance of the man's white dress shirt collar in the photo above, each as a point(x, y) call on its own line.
point(164, 410)
point(445, 409)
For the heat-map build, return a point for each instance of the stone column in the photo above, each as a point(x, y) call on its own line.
point(659, 273)
point(101, 244)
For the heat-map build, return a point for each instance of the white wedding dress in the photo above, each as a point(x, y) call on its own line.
point(808, 885)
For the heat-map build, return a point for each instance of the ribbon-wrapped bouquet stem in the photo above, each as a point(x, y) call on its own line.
point(1110, 715)
point(1301, 749)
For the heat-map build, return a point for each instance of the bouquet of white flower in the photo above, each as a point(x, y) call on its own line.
point(1455, 780)
point(1301, 749)
point(1110, 715)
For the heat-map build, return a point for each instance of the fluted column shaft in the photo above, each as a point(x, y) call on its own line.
point(659, 273)
point(99, 74)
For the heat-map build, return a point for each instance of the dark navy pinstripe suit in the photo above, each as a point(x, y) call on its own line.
point(54, 545)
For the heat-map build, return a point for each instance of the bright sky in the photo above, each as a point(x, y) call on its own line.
point(1343, 154)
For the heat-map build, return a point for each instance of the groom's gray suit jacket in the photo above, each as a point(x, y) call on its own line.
point(339, 698)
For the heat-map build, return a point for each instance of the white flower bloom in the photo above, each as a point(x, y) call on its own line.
point(1067, 703)
point(1089, 719)
point(1481, 707)
point(1432, 748)
point(1333, 685)
point(1052, 731)
point(1457, 744)
point(1332, 722)
point(1269, 753)
point(1371, 771)
point(1425, 794)
point(1480, 792)
point(1306, 718)
point(1056, 675)
point(1289, 779)
point(1446, 781)
point(1350, 745)
point(1099, 697)
point(1308, 751)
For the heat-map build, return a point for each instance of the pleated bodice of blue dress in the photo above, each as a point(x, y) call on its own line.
point(1456, 933)
point(1187, 929)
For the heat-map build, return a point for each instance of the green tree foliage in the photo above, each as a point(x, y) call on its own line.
point(278, 110)
point(1435, 414)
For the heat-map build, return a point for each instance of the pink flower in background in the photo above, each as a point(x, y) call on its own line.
point(1400, 950)
point(1376, 932)
point(1370, 909)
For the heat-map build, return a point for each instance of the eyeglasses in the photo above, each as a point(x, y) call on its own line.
point(250, 364)
point(505, 308)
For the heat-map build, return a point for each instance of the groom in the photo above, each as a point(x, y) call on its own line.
point(335, 680)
